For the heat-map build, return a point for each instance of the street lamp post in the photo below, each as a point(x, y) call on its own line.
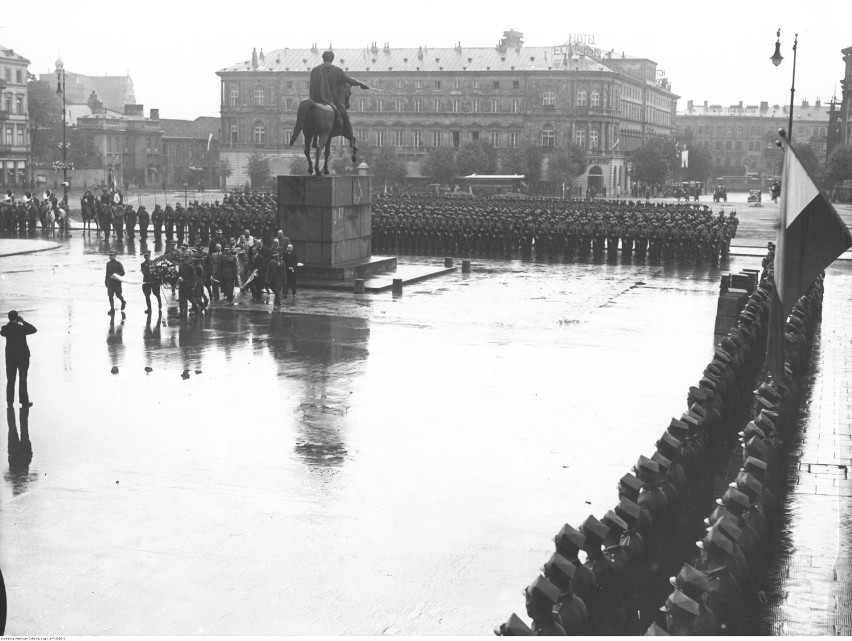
point(60, 90)
point(185, 188)
point(776, 60)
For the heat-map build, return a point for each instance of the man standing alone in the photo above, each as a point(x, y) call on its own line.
point(114, 285)
point(291, 261)
point(17, 357)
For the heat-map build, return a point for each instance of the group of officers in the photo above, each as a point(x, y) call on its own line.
point(552, 229)
point(632, 550)
point(22, 217)
point(196, 223)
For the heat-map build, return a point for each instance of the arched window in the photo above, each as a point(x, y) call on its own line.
point(259, 134)
point(259, 96)
point(548, 137)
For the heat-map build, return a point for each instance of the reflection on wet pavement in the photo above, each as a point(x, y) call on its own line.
point(349, 465)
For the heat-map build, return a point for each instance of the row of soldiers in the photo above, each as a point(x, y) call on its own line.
point(552, 229)
point(632, 549)
point(22, 217)
point(195, 223)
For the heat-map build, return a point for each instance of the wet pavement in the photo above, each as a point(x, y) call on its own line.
point(353, 464)
point(810, 581)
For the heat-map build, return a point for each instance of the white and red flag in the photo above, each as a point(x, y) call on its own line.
point(810, 237)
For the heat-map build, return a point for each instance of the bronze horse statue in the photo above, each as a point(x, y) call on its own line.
point(319, 123)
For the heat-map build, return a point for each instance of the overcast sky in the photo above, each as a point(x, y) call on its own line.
point(715, 51)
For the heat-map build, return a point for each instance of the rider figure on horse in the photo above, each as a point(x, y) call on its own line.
point(328, 85)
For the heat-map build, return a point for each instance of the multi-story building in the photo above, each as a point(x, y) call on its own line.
point(510, 95)
point(113, 91)
point(741, 140)
point(14, 121)
point(190, 151)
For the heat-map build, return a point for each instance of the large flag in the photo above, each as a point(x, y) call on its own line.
point(810, 237)
point(684, 159)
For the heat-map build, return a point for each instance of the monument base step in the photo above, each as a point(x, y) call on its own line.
point(348, 271)
point(379, 282)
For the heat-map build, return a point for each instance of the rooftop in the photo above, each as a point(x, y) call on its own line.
point(9, 54)
point(201, 127)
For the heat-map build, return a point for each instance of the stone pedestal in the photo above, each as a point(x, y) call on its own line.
point(327, 218)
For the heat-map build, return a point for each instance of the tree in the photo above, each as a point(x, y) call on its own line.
point(810, 162)
point(839, 166)
point(700, 165)
point(476, 157)
point(258, 170)
point(651, 162)
point(387, 166)
point(532, 164)
point(82, 151)
point(44, 108)
point(225, 171)
point(566, 163)
point(440, 165)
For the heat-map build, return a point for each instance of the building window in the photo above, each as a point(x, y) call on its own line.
point(729, 131)
point(456, 138)
point(596, 99)
point(436, 138)
point(418, 138)
point(582, 98)
point(738, 145)
point(289, 85)
point(418, 105)
point(398, 104)
point(456, 84)
point(720, 130)
point(380, 105)
point(474, 136)
point(516, 84)
point(288, 104)
point(495, 139)
point(18, 76)
point(418, 84)
point(728, 145)
point(398, 138)
point(514, 139)
point(399, 84)
point(19, 104)
point(306, 85)
point(235, 96)
point(436, 105)
point(380, 138)
point(593, 138)
point(259, 96)
point(739, 131)
point(437, 84)
point(580, 138)
point(362, 104)
point(516, 106)
point(8, 100)
point(718, 145)
point(495, 105)
point(476, 105)
point(456, 105)
point(20, 140)
point(496, 84)
point(476, 84)
point(362, 134)
point(549, 98)
point(259, 134)
point(548, 137)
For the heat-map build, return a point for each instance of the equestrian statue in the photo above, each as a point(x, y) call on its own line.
point(325, 114)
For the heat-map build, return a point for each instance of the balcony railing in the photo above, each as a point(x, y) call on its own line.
point(4, 114)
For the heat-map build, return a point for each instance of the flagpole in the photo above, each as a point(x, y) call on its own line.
point(776, 321)
point(792, 91)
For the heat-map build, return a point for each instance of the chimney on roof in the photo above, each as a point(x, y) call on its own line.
point(705, 105)
point(764, 106)
point(818, 103)
point(741, 104)
point(689, 105)
point(94, 103)
point(254, 58)
point(805, 102)
point(314, 47)
point(458, 46)
point(420, 53)
point(374, 48)
point(261, 57)
point(155, 114)
point(387, 47)
point(134, 110)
